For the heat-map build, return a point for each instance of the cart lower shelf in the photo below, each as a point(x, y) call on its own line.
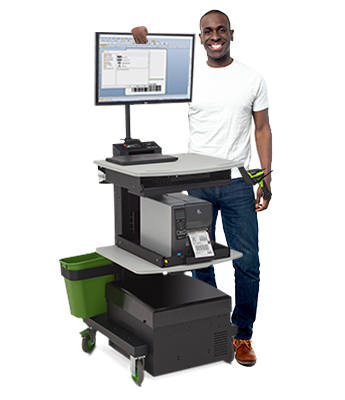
point(118, 335)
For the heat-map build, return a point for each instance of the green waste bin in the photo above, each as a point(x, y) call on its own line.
point(85, 279)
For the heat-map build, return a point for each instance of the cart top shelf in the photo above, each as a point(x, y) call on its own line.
point(186, 164)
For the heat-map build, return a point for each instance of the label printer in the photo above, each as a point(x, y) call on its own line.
point(169, 223)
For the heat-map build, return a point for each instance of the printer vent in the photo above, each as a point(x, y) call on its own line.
point(221, 343)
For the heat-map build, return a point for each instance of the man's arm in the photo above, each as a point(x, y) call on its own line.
point(139, 34)
point(263, 138)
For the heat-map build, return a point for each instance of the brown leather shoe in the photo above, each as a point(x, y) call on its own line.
point(244, 352)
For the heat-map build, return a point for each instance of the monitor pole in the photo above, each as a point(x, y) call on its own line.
point(128, 139)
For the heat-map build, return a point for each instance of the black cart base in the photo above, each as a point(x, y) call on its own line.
point(173, 322)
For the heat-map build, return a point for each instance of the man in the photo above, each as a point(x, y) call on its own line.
point(227, 95)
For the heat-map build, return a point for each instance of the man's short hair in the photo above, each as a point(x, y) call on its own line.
point(214, 11)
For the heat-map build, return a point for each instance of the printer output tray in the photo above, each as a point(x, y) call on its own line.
point(220, 251)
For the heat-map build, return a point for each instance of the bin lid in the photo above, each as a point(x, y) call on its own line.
point(85, 261)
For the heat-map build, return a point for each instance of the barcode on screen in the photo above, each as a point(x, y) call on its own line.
point(149, 88)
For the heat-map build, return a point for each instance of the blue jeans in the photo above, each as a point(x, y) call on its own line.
point(236, 204)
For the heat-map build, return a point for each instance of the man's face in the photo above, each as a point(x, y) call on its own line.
point(216, 35)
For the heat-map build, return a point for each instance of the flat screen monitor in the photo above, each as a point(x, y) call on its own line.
point(159, 71)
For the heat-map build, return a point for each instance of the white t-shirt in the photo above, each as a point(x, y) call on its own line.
point(220, 114)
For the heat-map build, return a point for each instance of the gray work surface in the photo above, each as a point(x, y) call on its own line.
point(186, 164)
point(139, 266)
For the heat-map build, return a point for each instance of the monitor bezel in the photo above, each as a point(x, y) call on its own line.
point(122, 102)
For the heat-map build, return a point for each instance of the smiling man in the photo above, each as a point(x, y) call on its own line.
point(227, 97)
point(216, 36)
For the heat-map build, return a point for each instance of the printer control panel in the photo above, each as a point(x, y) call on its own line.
point(180, 223)
point(135, 147)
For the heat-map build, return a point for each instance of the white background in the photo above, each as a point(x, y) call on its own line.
point(52, 206)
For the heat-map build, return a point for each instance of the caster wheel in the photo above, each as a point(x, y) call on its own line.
point(89, 340)
point(139, 373)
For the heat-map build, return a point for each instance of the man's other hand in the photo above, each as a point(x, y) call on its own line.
point(261, 206)
point(139, 34)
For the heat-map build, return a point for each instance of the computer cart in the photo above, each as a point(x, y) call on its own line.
point(151, 312)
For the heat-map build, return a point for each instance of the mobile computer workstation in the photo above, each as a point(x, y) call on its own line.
point(136, 292)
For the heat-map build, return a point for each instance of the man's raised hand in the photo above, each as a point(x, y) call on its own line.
point(139, 34)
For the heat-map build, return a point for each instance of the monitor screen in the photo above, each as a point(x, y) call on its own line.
point(158, 71)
